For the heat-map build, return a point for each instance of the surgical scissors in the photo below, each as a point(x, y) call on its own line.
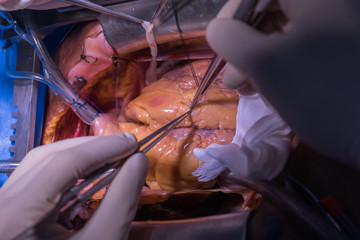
point(74, 197)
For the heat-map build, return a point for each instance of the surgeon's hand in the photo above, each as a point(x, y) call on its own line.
point(46, 172)
point(12, 5)
point(310, 74)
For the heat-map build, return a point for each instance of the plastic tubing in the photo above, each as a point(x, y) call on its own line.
point(36, 77)
point(98, 8)
point(290, 204)
point(58, 82)
point(5, 16)
point(12, 24)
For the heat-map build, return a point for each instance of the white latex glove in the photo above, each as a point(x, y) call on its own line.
point(46, 172)
point(12, 5)
point(260, 147)
point(309, 74)
point(234, 78)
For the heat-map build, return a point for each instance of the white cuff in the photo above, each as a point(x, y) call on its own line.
point(259, 149)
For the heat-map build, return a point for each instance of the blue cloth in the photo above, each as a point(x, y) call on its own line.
point(7, 56)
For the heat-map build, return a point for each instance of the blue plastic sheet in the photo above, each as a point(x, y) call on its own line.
point(7, 56)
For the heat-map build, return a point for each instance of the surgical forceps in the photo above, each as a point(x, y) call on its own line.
point(216, 65)
point(74, 197)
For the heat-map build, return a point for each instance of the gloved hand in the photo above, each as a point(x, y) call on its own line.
point(260, 147)
point(310, 74)
point(234, 78)
point(12, 5)
point(36, 186)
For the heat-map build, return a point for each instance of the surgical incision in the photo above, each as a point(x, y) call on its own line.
point(118, 88)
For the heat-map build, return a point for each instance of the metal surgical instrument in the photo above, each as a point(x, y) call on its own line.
point(216, 65)
point(74, 197)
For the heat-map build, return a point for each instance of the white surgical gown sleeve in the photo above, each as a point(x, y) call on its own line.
point(259, 149)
